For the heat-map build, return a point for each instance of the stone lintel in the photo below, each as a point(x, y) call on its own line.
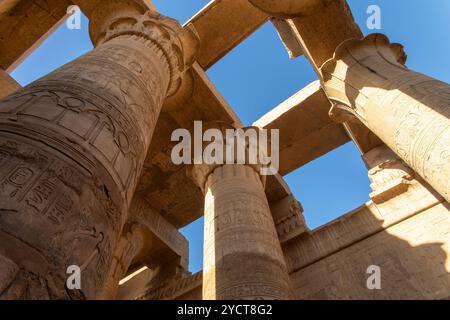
point(288, 37)
point(306, 130)
point(7, 5)
point(162, 241)
point(319, 32)
point(198, 99)
point(222, 25)
point(24, 25)
point(188, 287)
point(7, 84)
point(289, 8)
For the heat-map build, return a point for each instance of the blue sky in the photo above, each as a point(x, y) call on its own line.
point(258, 75)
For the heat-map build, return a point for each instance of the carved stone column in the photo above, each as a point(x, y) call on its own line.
point(72, 146)
point(407, 110)
point(242, 253)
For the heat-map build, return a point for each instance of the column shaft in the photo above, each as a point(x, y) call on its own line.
point(72, 146)
point(242, 254)
point(407, 110)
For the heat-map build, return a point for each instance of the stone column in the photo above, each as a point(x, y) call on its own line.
point(72, 146)
point(242, 253)
point(407, 110)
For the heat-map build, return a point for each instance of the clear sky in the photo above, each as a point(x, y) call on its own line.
point(258, 75)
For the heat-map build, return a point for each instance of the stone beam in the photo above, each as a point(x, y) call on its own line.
point(188, 287)
point(163, 242)
point(7, 5)
point(24, 25)
point(174, 195)
point(222, 25)
point(288, 8)
point(319, 27)
point(164, 184)
point(306, 130)
point(7, 84)
point(148, 242)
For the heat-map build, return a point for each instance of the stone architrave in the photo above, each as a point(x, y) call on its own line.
point(72, 146)
point(7, 84)
point(408, 111)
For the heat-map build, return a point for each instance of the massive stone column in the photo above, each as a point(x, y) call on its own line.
point(72, 146)
point(409, 111)
point(242, 253)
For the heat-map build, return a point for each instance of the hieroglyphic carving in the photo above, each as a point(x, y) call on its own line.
point(409, 111)
point(174, 288)
point(389, 175)
point(49, 205)
point(242, 253)
point(72, 146)
point(288, 217)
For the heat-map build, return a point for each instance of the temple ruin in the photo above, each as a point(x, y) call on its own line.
point(86, 175)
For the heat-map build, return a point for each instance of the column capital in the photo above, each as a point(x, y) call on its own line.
point(131, 18)
point(200, 173)
point(407, 110)
point(370, 54)
point(288, 8)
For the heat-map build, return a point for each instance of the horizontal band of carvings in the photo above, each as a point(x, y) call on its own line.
point(390, 178)
point(174, 288)
point(162, 33)
point(159, 31)
point(356, 226)
point(288, 217)
point(200, 173)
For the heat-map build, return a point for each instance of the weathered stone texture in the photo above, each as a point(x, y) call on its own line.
point(86, 176)
point(72, 148)
point(412, 255)
point(240, 235)
point(409, 111)
point(7, 84)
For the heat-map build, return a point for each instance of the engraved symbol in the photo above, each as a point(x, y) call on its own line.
point(21, 176)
